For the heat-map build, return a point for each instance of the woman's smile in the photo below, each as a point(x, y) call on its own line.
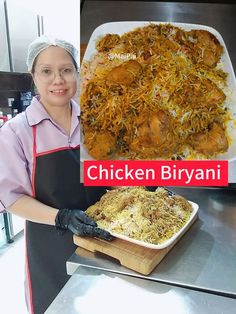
point(59, 92)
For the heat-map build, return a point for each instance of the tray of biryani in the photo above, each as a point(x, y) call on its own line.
point(153, 90)
point(153, 219)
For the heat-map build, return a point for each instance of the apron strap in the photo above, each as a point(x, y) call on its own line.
point(34, 160)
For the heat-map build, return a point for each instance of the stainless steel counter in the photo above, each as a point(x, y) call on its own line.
point(219, 16)
point(94, 291)
point(204, 258)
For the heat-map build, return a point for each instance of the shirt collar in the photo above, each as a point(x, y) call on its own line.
point(36, 112)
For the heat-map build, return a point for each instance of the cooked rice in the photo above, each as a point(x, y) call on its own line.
point(152, 217)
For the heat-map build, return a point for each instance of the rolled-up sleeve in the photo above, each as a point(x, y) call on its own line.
point(14, 175)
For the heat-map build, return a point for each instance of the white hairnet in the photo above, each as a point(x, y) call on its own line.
point(43, 42)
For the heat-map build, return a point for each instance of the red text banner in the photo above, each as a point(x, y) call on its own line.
point(151, 173)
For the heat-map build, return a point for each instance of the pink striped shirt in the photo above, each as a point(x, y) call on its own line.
point(16, 145)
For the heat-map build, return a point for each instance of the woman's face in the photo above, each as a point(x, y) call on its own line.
point(55, 76)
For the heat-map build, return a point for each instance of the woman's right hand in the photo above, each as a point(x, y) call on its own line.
point(80, 224)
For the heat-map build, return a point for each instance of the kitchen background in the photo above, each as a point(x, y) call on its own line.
point(20, 23)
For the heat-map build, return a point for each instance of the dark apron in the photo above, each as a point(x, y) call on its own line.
point(55, 183)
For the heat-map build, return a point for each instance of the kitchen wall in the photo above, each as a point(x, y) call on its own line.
point(28, 19)
point(61, 18)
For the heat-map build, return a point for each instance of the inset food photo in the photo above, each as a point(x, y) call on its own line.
point(152, 90)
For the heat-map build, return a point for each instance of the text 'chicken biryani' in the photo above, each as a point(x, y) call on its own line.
point(152, 217)
point(155, 92)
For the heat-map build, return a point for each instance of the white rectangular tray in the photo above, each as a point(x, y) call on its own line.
point(167, 242)
point(123, 27)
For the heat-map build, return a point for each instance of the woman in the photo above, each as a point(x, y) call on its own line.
point(40, 170)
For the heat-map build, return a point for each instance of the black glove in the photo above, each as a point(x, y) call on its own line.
point(80, 224)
